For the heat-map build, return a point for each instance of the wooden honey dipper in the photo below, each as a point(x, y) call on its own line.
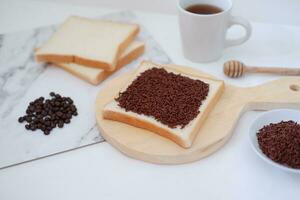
point(235, 69)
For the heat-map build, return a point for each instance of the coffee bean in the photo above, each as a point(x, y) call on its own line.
point(47, 123)
point(69, 100)
point(27, 126)
point(46, 132)
point(68, 115)
point(73, 108)
point(28, 119)
point(60, 124)
point(31, 108)
point(59, 113)
point(21, 119)
point(39, 125)
point(53, 125)
point(46, 114)
point(32, 127)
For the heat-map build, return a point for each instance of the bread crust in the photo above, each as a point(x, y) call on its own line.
point(126, 43)
point(205, 113)
point(53, 58)
point(104, 74)
point(116, 116)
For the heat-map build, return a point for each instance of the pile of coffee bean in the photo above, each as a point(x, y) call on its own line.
point(281, 142)
point(46, 114)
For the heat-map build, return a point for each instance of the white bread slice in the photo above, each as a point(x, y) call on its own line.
point(96, 75)
point(183, 137)
point(89, 42)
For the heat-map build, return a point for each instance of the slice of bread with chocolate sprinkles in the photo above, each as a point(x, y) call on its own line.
point(165, 101)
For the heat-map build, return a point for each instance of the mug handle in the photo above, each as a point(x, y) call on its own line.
point(242, 22)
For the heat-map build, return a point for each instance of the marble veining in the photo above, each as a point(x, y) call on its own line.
point(1, 40)
point(22, 79)
point(91, 135)
point(18, 69)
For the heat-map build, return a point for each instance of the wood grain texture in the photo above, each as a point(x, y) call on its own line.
point(284, 71)
point(235, 69)
point(216, 130)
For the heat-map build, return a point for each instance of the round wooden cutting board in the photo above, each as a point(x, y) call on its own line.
point(216, 130)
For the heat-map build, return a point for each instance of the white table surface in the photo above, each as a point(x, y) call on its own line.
point(101, 172)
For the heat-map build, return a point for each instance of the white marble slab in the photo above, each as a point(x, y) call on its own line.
point(22, 80)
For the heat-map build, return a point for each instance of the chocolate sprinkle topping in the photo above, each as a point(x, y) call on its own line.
point(281, 142)
point(171, 99)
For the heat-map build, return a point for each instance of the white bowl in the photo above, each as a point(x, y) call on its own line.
point(273, 116)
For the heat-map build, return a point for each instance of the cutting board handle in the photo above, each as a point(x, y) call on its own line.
point(281, 93)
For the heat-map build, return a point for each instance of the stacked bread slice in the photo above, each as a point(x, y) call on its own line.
point(91, 49)
point(144, 96)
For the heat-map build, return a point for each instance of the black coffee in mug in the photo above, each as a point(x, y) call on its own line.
point(203, 9)
point(203, 28)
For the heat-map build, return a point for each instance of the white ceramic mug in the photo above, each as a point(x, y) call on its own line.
point(204, 36)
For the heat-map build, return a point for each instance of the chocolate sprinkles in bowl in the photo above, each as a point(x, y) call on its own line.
point(281, 142)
